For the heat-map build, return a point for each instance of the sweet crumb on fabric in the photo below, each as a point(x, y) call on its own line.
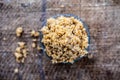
point(19, 31)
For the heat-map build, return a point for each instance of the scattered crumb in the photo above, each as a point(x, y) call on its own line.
point(23, 60)
point(18, 55)
point(21, 52)
point(34, 40)
point(18, 50)
point(21, 44)
point(19, 31)
point(16, 70)
point(34, 33)
point(33, 45)
point(39, 48)
point(24, 51)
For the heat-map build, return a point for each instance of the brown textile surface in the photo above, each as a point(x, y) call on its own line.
point(103, 18)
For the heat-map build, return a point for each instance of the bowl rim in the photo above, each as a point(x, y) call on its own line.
point(67, 15)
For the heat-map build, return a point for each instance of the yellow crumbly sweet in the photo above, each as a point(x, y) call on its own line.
point(18, 55)
point(39, 48)
point(21, 44)
point(34, 40)
point(34, 33)
point(24, 51)
point(33, 45)
point(18, 49)
point(21, 52)
point(65, 39)
point(19, 31)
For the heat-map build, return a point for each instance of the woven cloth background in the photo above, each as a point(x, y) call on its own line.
point(103, 18)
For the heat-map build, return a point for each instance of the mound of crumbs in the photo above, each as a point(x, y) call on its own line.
point(65, 39)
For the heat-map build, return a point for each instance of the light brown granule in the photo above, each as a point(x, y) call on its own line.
point(21, 52)
point(21, 44)
point(33, 45)
point(34, 33)
point(24, 51)
point(34, 40)
point(19, 31)
point(39, 48)
point(18, 50)
point(23, 60)
point(18, 55)
point(65, 39)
